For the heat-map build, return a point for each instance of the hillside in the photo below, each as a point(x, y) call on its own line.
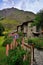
point(11, 17)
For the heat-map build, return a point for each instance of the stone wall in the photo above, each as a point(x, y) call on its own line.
point(19, 29)
point(29, 32)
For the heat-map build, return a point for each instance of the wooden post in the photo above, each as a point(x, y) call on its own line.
point(7, 49)
point(31, 55)
point(14, 43)
point(33, 51)
point(11, 46)
point(22, 43)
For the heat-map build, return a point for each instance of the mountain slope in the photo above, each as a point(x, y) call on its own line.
point(11, 17)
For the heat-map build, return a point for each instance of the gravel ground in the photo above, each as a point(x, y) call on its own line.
point(38, 57)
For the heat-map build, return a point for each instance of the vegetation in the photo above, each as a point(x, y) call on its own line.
point(26, 40)
point(20, 34)
point(2, 52)
point(38, 42)
point(12, 17)
point(8, 40)
point(20, 37)
point(1, 18)
point(9, 24)
point(16, 57)
point(19, 41)
point(30, 42)
point(38, 21)
point(1, 29)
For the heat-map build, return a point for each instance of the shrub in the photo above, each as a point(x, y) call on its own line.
point(6, 35)
point(16, 56)
point(8, 40)
point(38, 42)
point(19, 40)
point(20, 34)
point(30, 41)
point(1, 29)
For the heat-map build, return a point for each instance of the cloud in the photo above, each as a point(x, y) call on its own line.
point(30, 5)
point(6, 4)
point(26, 5)
point(5, 0)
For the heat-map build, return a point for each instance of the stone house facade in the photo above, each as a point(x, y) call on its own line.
point(29, 31)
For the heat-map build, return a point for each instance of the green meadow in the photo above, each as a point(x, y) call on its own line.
point(2, 52)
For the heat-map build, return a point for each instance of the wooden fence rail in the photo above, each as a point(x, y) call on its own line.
point(31, 48)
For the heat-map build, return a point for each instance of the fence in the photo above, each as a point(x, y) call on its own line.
point(31, 49)
point(28, 48)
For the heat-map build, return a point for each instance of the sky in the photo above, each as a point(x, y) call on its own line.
point(26, 5)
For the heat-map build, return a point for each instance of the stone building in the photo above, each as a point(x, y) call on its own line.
point(29, 31)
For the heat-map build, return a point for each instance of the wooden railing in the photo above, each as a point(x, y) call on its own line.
point(31, 48)
point(26, 47)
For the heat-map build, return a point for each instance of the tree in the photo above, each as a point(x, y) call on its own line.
point(38, 21)
point(1, 29)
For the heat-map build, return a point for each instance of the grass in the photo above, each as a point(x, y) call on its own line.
point(2, 52)
point(9, 24)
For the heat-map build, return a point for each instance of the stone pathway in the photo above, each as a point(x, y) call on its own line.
point(38, 57)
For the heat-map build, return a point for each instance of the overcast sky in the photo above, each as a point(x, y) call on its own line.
point(26, 5)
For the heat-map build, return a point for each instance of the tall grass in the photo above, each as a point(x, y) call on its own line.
point(2, 52)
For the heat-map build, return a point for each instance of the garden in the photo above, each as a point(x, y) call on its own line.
point(16, 55)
